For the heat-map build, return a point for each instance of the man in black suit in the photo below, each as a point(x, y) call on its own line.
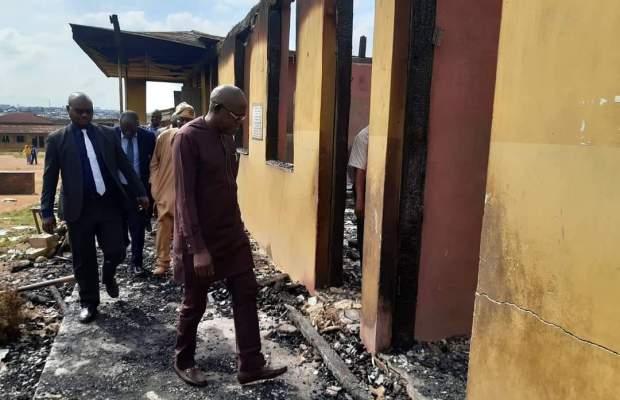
point(138, 145)
point(89, 159)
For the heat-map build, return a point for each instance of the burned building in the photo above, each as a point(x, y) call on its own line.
point(446, 147)
point(294, 145)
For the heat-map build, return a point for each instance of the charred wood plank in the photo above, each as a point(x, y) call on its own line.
point(51, 282)
point(61, 303)
point(335, 364)
point(410, 382)
point(272, 279)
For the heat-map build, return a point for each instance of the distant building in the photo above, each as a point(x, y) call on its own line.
point(18, 129)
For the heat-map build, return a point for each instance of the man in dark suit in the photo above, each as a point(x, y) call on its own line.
point(138, 145)
point(89, 159)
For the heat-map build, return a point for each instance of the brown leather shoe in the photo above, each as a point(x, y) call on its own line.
point(264, 373)
point(194, 376)
point(160, 271)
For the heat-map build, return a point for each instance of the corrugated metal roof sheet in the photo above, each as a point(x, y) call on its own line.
point(192, 38)
point(158, 56)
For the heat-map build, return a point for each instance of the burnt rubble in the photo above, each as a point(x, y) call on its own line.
point(439, 370)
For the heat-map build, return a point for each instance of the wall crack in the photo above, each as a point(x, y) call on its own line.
point(544, 321)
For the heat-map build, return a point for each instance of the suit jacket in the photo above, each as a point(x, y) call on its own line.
point(146, 147)
point(62, 157)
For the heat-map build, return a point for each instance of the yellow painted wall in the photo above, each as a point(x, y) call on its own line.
point(226, 63)
point(387, 118)
point(546, 322)
point(136, 97)
point(280, 207)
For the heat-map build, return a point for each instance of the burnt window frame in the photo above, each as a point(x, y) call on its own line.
point(242, 136)
point(275, 53)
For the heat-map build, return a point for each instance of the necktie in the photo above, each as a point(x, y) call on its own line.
point(94, 165)
point(130, 151)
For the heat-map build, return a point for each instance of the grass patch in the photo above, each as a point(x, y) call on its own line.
point(10, 219)
point(15, 218)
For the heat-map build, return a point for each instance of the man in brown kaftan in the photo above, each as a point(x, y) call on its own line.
point(209, 241)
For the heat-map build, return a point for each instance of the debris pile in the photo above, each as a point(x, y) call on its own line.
point(440, 368)
point(22, 360)
point(425, 370)
point(351, 266)
point(14, 242)
point(25, 243)
point(434, 370)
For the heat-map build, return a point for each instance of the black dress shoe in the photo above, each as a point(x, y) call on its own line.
point(136, 270)
point(262, 373)
point(112, 288)
point(88, 314)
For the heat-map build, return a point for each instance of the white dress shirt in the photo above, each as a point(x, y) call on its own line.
point(359, 151)
point(136, 155)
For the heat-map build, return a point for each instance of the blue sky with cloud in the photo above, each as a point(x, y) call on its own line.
point(41, 64)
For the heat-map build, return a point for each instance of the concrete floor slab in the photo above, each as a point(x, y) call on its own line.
point(127, 354)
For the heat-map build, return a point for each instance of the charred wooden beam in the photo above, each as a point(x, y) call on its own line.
point(270, 280)
point(51, 282)
point(335, 364)
point(61, 303)
point(411, 382)
point(415, 144)
point(344, 44)
point(274, 54)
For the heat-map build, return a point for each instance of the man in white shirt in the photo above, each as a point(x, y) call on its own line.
point(358, 160)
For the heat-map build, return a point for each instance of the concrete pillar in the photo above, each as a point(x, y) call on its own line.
point(387, 116)
point(136, 97)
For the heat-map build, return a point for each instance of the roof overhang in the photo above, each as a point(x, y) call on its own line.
point(153, 56)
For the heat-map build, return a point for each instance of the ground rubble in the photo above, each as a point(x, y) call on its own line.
point(439, 369)
point(146, 304)
point(22, 361)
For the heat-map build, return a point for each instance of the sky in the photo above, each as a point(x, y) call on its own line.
point(41, 64)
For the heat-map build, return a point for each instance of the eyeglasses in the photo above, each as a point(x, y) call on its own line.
point(236, 117)
point(184, 120)
point(81, 111)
